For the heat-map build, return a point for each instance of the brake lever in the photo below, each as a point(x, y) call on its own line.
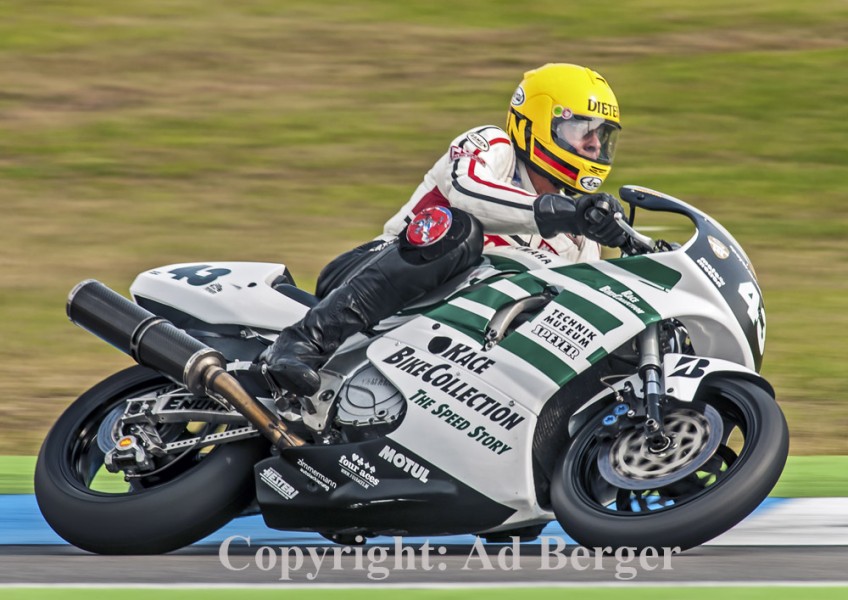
point(639, 242)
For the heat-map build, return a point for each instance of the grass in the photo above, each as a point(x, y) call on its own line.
point(803, 477)
point(540, 593)
point(270, 130)
point(16, 474)
point(813, 477)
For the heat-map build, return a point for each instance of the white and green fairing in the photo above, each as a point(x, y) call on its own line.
point(597, 308)
point(485, 403)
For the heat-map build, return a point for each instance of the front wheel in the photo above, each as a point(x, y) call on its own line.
point(178, 503)
point(729, 449)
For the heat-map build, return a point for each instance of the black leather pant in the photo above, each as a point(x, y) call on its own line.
point(380, 278)
point(361, 287)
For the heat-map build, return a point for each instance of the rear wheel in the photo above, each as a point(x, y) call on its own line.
point(728, 451)
point(183, 499)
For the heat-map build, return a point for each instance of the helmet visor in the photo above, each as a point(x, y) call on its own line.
point(590, 137)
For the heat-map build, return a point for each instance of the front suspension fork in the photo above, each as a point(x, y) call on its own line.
point(650, 369)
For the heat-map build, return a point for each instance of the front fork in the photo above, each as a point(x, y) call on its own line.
point(650, 369)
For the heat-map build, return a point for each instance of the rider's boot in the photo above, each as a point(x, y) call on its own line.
point(300, 350)
point(438, 244)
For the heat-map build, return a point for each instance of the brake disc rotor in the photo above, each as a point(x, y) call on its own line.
point(108, 431)
point(627, 462)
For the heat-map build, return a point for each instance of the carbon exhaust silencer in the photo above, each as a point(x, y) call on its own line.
point(157, 343)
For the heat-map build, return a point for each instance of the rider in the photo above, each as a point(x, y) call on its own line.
point(530, 186)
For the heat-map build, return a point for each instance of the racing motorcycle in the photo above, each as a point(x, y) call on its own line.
point(620, 397)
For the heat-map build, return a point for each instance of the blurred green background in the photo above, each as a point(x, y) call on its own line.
point(134, 135)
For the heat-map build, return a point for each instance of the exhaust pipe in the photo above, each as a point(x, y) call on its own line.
point(157, 343)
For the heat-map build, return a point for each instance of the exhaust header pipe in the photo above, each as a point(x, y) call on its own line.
point(157, 343)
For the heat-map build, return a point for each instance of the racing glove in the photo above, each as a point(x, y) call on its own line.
point(590, 215)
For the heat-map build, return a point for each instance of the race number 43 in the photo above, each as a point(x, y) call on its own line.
point(751, 295)
point(198, 274)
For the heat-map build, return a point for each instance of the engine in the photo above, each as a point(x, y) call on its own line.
point(368, 404)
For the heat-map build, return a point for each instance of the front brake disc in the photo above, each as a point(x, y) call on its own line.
point(628, 463)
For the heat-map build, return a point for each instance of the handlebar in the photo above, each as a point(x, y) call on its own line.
point(636, 242)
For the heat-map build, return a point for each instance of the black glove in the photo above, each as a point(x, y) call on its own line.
point(590, 215)
point(598, 211)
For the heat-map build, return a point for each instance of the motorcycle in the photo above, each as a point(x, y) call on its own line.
point(620, 397)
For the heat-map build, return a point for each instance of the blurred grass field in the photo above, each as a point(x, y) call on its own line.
point(141, 134)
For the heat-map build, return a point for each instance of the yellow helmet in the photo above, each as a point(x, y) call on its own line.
point(564, 122)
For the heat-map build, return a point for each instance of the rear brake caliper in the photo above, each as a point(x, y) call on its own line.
point(129, 456)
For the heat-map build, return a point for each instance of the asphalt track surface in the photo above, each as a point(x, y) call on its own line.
point(799, 542)
point(202, 565)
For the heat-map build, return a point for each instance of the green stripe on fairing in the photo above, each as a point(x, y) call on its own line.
point(469, 323)
point(530, 284)
point(547, 361)
point(649, 270)
point(538, 356)
point(543, 359)
point(596, 355)
point(505, 264)
point(596, 280)
point(473, 324)
point(591, 313)
point(489, 296)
